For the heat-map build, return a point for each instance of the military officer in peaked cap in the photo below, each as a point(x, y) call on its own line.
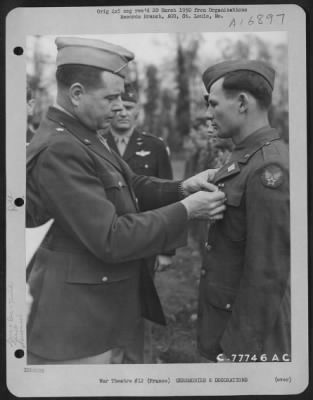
point(145, 154)
point(244, 300)
point(89, 281)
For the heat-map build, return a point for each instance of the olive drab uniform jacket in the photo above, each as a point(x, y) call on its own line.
point(89, 279)
point(145, 154)
point(244, 303)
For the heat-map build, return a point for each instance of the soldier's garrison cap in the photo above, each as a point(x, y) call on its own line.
point(217, 71)
point(93, 52)
point(129, 93)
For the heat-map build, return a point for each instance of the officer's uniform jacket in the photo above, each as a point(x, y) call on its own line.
point(88, 278)
point(244, 304)
point(145, 154)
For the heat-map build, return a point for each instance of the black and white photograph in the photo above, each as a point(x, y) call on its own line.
point(161, 212)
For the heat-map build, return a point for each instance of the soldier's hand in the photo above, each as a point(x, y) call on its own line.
point(162, 263)
point(205, 205)
point(199, 182)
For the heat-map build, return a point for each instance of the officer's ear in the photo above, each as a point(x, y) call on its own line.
point(76, 91)
point(243, 100)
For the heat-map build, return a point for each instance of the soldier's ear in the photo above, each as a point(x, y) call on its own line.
point(243, 100)
point(75, 93)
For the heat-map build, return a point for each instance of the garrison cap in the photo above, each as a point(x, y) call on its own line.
point(217, 71)
point(129, 93)
point(93, 52)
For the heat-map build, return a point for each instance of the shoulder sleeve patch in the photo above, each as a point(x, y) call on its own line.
point(272, 175)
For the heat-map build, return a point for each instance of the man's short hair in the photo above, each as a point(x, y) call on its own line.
point(250, 82)
point(88, 76)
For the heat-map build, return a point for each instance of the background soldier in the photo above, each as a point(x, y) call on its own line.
point(244, 303)
point(89, 281)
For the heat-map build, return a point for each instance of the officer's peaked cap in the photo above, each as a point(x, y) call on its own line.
point(217, 71)
point(129, 93)
point(93, 52)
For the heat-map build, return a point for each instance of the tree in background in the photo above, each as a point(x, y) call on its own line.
point(152, 103)
point(183, 98)
point(167, 126)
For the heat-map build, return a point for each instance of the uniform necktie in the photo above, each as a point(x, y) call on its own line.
point(121, 145)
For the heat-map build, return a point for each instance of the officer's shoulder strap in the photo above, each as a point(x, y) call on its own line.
point(264, 147)
point(150, 136)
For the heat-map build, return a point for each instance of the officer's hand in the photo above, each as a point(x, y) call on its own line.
point(162, 263)
point(205, 205)
point(199, 182)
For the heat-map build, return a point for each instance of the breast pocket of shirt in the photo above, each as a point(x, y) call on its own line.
point(144, 165)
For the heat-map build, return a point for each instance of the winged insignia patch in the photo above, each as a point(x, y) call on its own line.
point(272, 176)
point(143, 153)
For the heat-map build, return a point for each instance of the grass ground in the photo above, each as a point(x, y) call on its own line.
point(178, 290)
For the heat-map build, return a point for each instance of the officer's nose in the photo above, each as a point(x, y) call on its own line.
point(209, 112)
point(117, 105)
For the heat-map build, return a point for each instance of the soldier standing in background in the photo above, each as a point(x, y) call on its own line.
point(244, 301)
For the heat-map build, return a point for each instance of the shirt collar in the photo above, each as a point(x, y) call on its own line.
point(126, 136)
point(57, 106)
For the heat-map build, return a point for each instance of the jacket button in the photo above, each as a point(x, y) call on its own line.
point(104, 279)
point(203, 272)
point(227, 306)
point(86, 141)
point(208, 247)
point(146, 166)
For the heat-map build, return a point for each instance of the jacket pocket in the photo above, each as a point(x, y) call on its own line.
point(221, 297)
point(89, 270)
point(234, 221)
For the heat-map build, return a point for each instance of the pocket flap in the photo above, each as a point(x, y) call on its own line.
point(86, 271)
point(233, 197)
point(221, 297)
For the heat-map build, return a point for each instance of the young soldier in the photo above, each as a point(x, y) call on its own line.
point(244, 304)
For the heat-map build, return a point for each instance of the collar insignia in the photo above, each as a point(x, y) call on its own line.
point(231, 167)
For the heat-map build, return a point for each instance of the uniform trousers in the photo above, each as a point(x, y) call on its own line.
point(133, 353)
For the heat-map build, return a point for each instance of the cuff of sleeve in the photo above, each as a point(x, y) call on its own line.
point(176, 227)
point(181, 192)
